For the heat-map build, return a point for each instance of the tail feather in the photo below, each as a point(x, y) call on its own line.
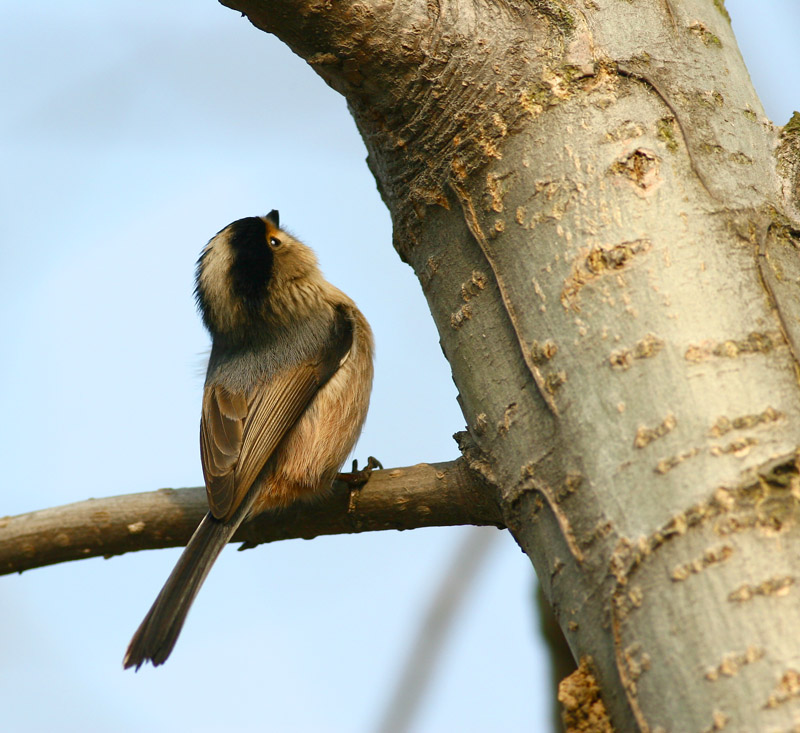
point(158, 632)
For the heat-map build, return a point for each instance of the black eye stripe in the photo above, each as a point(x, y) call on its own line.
point(251, 268)
point(246, 233)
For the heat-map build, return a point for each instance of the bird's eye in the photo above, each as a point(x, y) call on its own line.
point(274, 242)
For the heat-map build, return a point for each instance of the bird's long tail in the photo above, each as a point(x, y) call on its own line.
point(157, 634)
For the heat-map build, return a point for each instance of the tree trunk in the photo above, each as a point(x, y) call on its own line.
point(605, 226)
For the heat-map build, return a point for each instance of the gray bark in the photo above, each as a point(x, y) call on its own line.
point(605, 226)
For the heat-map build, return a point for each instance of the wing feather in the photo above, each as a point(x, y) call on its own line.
point(238, 432)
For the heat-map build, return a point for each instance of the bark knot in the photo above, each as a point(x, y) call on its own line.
point(641, 167)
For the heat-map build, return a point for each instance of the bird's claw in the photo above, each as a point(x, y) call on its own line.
point(355, 478)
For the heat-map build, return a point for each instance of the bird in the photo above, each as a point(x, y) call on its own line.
point(285, 397)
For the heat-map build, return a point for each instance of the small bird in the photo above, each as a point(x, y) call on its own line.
point(286, 394)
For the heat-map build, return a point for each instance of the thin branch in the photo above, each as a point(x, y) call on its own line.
point(425, 495)
point(432, 635)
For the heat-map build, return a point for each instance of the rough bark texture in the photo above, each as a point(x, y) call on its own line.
point(605, 226)
point(425, 495)
point(583, 707)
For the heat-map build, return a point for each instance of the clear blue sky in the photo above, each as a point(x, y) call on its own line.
point(131, 133)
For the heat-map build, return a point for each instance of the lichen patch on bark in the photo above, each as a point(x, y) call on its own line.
point(665, 465)
point(770, 587)
point(710, 557)
point(583, 708)
point(724, 425)
point(754, 343)
point(645, 436)
point(787, 689)
point(644, 348)
point(732, 663)
point(543, 352)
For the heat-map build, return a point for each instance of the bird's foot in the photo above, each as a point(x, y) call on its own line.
point(355, 478)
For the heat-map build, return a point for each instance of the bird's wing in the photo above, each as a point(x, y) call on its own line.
point(239, 432)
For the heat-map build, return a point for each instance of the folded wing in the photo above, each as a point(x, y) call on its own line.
point(239, 432)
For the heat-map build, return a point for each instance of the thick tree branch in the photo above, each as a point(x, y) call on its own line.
point(425, 495)
point(605, 226)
